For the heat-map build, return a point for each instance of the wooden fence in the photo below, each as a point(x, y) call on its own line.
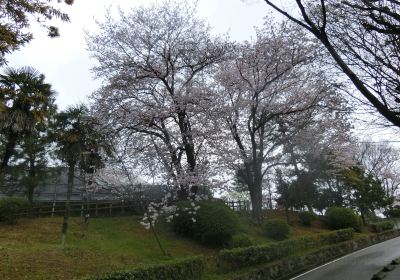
point(240, 205)
point(103, 208)
point(80, 208)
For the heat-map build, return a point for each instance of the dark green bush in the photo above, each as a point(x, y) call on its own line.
point(340, 217)
point(9, 207)
point(215, 223)
point(306, 218)
point(253, 255)
point(241, 240)
point(276, 229)
point(187, 269)
point(393, 212)
point(382, 226)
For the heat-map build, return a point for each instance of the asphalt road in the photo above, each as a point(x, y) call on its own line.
point(358, 265)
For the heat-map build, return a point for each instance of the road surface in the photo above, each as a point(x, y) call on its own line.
point(358, 265)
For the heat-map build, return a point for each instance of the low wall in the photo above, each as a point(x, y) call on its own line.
point(291, 266)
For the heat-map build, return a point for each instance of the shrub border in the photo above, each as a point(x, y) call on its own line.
point(191, 268)
point(237, 258)
point(289, 267)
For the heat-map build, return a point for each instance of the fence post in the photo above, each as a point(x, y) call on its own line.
point(53, 208)
point(123, 207)
point(96, 210)
point(82, 208)
point(110, 208)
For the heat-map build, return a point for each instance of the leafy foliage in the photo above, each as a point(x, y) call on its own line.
point(213, 224)
point(241, 240)
point(382, 226)
point(276, 229)
point(186, 269)
point(393, 212)
point(15, 16)
point(365, 191)
point(253, 255)
point(340, 217)
point(306, 218)
point(25, 101)
point(9, 207)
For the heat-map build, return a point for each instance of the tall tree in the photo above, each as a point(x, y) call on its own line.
point(25, 99)
point(362, 38)
point(15, 18)
point(79, 146)
point(156, 63)
point(268, 94)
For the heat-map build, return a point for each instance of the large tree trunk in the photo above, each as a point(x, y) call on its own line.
point(10, 146)
point(256, 203)
point(71, 173)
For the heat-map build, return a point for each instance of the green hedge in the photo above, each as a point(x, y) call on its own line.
point(277, 229)
point(9, 207)
point(341, 217)
point(241, 240)
point(244, 257)
point(382, 226)
point(306, 218)
point(184, 269)
point(215, 223)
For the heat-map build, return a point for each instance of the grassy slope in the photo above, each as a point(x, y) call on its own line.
point(30, 250)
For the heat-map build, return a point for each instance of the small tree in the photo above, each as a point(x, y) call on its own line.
point(365, 191)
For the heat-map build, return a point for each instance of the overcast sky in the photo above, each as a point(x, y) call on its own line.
point(66, 63)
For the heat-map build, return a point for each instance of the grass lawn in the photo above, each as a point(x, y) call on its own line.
point(31, 249)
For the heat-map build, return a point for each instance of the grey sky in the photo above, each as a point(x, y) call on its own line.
point(66, 63)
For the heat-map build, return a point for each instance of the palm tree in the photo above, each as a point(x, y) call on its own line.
point(25, 99)
point(76, 137)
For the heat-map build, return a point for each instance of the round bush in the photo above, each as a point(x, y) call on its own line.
point(306, 218)
point(241, 240)
point(276, 229)
point(9, 207)
point(340, 217)
point(213, 224)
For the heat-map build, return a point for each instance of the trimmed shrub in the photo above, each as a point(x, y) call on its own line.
point(306, 218)
point(9, 207)
point(253, 255)
point(382, 226)
point(276, 229)
point(241, 240)
point(214, 222)
point(186, 269)
point(340, 217)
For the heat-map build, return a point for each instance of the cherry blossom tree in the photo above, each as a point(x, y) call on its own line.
point(157, 64)
point(362, 39)
point(271, 89)
point(382, 161)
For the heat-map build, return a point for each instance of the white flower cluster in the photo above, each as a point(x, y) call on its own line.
point(166, 209)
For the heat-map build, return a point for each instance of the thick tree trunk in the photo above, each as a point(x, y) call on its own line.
point(10, 146)
point(256, 203)
point(71, 171)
